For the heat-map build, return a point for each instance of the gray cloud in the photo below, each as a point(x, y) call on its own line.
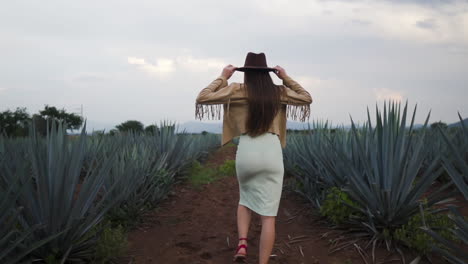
point(425, 2)
point(361, 22)
point(427, 23)
point(419, 2)
point(67, 54)
point(89, 78)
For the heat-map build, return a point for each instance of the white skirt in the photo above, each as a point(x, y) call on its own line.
point(260, 171)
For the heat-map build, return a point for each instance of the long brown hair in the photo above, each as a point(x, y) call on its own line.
point(263, 98)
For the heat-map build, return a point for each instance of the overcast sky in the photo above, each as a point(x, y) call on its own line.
point(148, 60)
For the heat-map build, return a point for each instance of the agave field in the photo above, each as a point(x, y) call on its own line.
point(381, 184)
point(57, 191)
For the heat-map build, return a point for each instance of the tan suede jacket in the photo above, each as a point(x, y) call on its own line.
point(295, 104)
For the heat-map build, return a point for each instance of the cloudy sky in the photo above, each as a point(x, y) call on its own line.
point(148, 60)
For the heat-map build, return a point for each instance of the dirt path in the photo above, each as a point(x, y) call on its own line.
point(199, 226)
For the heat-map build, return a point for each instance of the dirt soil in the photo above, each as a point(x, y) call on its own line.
point(199, 226)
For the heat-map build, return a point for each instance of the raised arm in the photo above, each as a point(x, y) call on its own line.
point(218, 91)
point(213, 93)
point(295, 94)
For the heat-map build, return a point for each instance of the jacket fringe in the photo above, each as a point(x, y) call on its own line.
point(293, 112)
point(298, 112)
point(209, 111)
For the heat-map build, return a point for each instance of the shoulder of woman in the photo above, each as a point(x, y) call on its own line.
point(282, 87)
point(233, 88)
point(236, 86)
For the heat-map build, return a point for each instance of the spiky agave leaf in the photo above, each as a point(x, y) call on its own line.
point(386, 176)
point(146, 166)
point(457, 163)
point(140, 176)
point(13, 234)
point(179, 146)
point(457, 167)
point(51, 198)
point(453, 252)
point(310, 159)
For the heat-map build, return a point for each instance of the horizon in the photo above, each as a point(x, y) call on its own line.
point(193, 126)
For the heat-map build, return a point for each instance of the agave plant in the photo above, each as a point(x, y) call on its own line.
point(311, 159)
point(11, 235)
point(456, 164)
point(12, 247)
point(56, 190)
point(437, 147)
point(147, 165)
point(175, 146)
point(454, 252)
point(49, 174)
point(180, 148)
point(201, 145)
point(457, 167)
point(386, 175)
point(141, 177)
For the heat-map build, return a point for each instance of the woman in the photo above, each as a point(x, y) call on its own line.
point(256, 111)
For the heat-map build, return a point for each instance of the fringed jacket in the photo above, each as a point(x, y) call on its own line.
point(295, 104)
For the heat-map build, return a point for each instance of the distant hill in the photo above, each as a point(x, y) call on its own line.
point(93, 125)
point(198, 127)
point(457, 124)
point(99, 125)
point(216, 127)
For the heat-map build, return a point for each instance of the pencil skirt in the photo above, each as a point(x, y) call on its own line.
point(260, 171)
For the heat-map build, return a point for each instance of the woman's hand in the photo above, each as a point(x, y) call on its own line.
point(228, 71)
point(280, 72)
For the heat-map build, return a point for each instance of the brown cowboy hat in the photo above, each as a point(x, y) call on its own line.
point(255, 61)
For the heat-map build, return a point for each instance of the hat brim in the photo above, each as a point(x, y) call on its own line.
point(248, 68)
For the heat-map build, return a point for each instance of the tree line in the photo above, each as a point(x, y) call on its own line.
point(16, 123)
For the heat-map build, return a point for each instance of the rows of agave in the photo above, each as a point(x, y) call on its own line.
point(386, 169)
point(456, 165)
point(55, 190)
point(309, 158)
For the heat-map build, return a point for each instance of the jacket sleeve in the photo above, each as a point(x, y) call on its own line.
point(217, 92)
point(295, 94)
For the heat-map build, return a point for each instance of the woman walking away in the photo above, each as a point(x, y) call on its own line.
point(256, 111)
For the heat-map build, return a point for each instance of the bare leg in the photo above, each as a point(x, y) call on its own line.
point(244, 214)
point(267, 238)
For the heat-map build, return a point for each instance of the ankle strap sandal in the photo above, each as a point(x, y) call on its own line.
point(238, 256)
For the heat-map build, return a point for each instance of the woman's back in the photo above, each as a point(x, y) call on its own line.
point(256, 111)
point(264, 101)
point(294, 104)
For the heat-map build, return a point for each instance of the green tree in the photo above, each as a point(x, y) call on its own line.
point(73, 121)
point(51, 112)
point(439, 124)
point(113, 131)
point(133, 125)
point(14, 124)
point(151, 129)
point(98, 133)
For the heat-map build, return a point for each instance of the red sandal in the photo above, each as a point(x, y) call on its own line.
point(238, 256)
